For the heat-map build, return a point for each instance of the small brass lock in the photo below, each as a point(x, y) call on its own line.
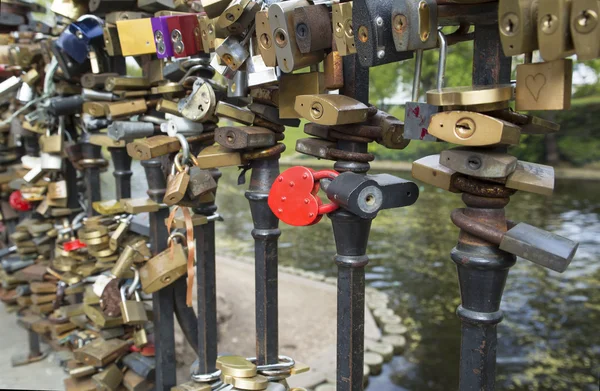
point(163, 270)
point(132, 311)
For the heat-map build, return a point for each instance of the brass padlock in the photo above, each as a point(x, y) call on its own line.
point(331, 109)
point(585, 28)
point(245, 137)
point(139, 205)
point(544, 85)
point(97, 316)
point(343, 32)
point(164, 269)
point(293, 85)
point(52, 143)
point(140, 337)
point(518, 26)
point(532, 178)
point(430, 171)
point(473, 129)
point(136, 37)
point(554, 29)
point(132, 311)
point(100, 353)
point(109, 379)
point(218, 156)
point(57, 194)
point(177, 184)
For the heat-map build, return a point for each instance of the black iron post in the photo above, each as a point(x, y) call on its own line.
point(163, 300)
point(482, 267)
point(122, 171)
point(206, 285)
point(351, 234)
point(92, 155)
point(265, 233)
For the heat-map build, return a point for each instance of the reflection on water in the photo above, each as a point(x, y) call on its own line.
point(550, 336)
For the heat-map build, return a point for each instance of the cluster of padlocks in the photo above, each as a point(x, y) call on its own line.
point(104, 277)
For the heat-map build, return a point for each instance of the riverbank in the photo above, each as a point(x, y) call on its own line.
point(586, 174)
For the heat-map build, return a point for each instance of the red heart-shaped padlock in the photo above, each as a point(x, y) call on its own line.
point(291, 197)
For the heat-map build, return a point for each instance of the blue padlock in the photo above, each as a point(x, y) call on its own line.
point(76, 39)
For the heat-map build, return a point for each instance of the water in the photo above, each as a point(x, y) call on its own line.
point(549, 340)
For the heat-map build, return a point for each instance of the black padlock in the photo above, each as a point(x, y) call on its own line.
point(69, 67)
point(141, 365)
point(65, 105)
point(366, 195)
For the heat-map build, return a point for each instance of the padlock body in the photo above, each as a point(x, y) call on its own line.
point(133, 312)
point(163, 270)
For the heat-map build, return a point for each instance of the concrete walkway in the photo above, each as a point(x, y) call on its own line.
point(307, 329)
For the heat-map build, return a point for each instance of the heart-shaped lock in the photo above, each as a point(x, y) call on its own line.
point(293, 196)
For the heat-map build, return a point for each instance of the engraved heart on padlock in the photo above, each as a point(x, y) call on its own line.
point(292, 197)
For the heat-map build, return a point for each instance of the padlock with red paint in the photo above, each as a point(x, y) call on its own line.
point(18, 203)
point(73, 245)
point(293, 197)
point(184, 33)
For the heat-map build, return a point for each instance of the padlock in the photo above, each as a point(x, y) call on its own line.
point(53, 143)
point(532, 178)
point(143, 366)
point(473, 129)
point(126, 108)
point(162, 37)
point(312, 24)
point(429, 170)
point(343, 32)
point(264, 34)
point(140, 337)
point(315, 147)
point(333, 71)
point(366, 195)
point(233, 52)
point(237, 85)
point(164, 268)
point(414, 24)
point(184, 32)
point(152, 147)
point(372, 27)
point(200, 105)
point(554, 29)
point(57, 194)
point(529, 124)
point(271, 114)
point(293, 196)
point(517, 20)
point(91, 80)
point(470, 96)
point(119, 234)
point(585, 28)
point(177, 184)
point(78, 36)
point(69, 9)
point(281, 20)
point(208, 33)
point(331, 109)
point(50, 162)
point(100, 353)
point(418, 115)
point(112, 44)
point(235, 113)
point(293, 85)
point(544, 248)
point(132, 311)
point(65, 105)
point(191, 386)
point(544, 85)
point(134, 382)
point(113, 83)
point(109, 379)
point(245, 137)
point(478, 162)
point(128, 131)
point(218, 156)
point(136, 37)
point(139, 205)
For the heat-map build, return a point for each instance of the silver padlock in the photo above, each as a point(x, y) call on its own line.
point(538, 246)
point(232, 52)
point(414, 24)
point(200, 105)
point(418, 115)
point(176, 125)
point(50, 162)
point(238, 86)
point(127, 130)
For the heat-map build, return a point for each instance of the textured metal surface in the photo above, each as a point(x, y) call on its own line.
point(265, 233)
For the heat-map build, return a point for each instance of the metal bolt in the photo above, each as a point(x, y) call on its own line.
point(379, 21)
point(381, 53)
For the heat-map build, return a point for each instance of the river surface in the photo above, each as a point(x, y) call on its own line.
point(550, 337)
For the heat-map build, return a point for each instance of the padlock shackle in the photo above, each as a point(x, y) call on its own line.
point(475, 228)
point(325, 174)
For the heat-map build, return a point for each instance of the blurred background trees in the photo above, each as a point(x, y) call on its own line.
point(576, 144)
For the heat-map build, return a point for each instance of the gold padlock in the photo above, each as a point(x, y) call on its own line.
point(430, 171)
point(109, 379)
point(544, 85)
point(518, 26)
point(100, 353)
point(331, 109)
point(585, 28)
point(554, 30)
point(57, 194)
point(343, 32)
point(163, 269)
point(294, 84)
point(136, 37)
point(473, 129)
point(218, 156)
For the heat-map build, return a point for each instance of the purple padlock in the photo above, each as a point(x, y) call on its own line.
point(162, 38)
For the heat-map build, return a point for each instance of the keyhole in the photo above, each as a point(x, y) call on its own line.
point(316, 110)
point(302, 30)
point(464, 128)
point(586, 21)
point(474, 163)
point(370, 199)
point(230, 17)
point(549, 24)
point(265, 41)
